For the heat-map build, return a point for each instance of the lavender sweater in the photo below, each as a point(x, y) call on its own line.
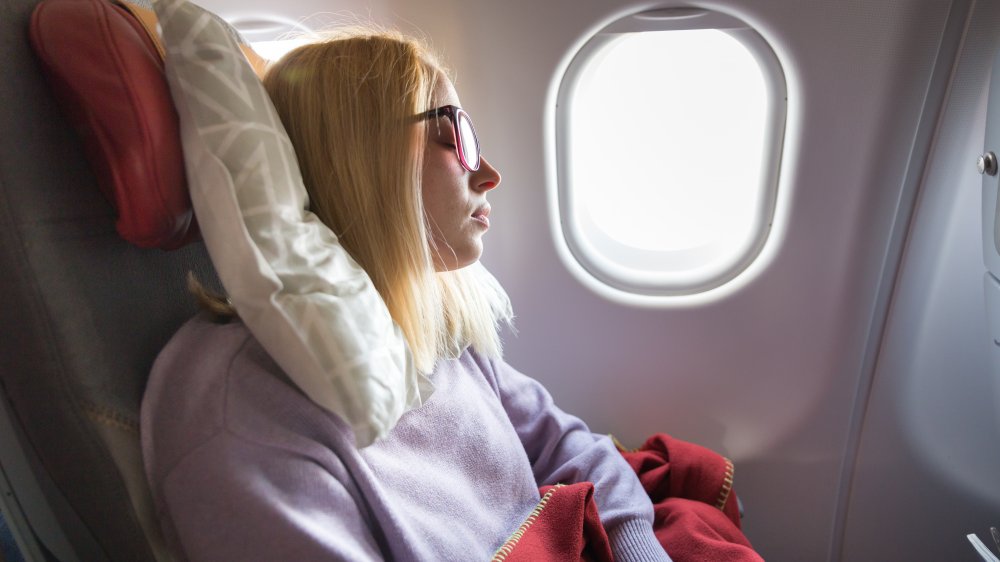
point(244, 467)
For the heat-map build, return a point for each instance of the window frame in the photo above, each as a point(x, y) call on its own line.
point(589, 249)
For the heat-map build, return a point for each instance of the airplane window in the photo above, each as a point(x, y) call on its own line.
point(274, 50)
point(668, 137)
point(271, 35)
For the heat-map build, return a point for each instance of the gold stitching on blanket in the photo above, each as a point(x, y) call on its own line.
point(504, 551)
point(107, 416)
point(621, 448)
point(727, 484)
point(727, 479)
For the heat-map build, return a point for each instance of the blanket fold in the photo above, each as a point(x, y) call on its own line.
point(695, 511)
point(563, 526)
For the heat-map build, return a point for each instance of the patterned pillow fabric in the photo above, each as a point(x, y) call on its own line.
point(310, 305)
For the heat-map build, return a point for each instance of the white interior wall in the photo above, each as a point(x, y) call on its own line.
point(769, 373)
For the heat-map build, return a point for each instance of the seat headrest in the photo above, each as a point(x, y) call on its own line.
point(105, 66)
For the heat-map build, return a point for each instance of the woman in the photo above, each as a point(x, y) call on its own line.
point(245, 467)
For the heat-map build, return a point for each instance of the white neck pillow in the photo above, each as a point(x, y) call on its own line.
point(307, 302)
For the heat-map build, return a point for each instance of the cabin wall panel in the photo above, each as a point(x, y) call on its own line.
point(927, 468)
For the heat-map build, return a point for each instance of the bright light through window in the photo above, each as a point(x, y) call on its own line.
point(274, 50)
point(667, 130)
point(670, 142)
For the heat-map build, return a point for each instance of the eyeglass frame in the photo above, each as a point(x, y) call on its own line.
point(454, 114)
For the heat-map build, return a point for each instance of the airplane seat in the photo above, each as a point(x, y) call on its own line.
point(83, 315)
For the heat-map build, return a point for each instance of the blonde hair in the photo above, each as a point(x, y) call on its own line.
point(347, 102)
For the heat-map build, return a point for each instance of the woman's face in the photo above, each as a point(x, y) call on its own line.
point(454, 198)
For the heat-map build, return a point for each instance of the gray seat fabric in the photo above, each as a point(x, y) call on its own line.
point(82, 316)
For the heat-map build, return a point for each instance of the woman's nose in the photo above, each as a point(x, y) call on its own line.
point(486, 177)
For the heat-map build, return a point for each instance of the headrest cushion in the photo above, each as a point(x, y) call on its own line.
point(108, 77)
point(105, 66)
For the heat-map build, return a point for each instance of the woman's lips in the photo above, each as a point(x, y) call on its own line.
point(482, 215)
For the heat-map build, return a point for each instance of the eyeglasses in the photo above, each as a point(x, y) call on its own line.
point(466, 143)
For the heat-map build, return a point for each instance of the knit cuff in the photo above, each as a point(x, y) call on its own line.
point(634, 540)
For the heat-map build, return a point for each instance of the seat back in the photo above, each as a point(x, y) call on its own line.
point(83, 315)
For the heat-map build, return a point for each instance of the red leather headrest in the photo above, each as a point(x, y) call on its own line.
point(108, 77)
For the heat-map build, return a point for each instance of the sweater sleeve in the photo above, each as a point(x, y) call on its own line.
point(562, 449)
point(244, 501)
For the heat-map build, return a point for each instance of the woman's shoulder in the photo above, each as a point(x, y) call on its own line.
point(193, 365)
point(480, 364)
point(189, 376)
point(215, 381)
point(202, 344)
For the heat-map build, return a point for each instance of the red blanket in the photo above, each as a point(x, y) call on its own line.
point(564, 526)
point(696, 517)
